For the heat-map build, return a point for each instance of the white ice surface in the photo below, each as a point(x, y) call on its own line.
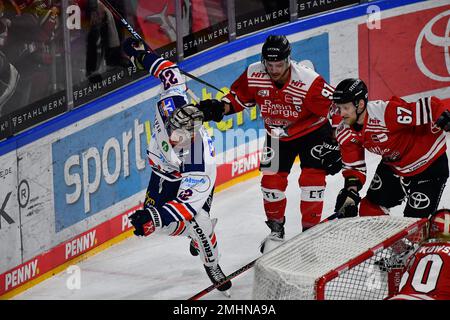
point(161, 267)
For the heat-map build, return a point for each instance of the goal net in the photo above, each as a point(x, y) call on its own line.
point(348, 259)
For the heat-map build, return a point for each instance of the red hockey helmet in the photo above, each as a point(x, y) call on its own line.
point(440, 224)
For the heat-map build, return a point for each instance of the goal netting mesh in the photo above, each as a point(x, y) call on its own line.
point(352, 258)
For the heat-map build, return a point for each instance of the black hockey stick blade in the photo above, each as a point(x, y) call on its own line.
point(227, 278)
point(242, 269)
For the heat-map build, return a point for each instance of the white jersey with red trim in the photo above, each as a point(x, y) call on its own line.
point(302, 105)
point(428, 272)
point(402, 133)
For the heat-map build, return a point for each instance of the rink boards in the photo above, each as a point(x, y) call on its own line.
point(67, 186)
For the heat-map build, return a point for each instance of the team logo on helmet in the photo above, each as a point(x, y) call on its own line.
point(419, 200)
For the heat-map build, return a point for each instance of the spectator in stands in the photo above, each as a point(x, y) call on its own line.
point(103, 39)
point(33, 33)
point(9, 76)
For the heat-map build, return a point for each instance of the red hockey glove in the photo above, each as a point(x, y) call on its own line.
point(145, 221)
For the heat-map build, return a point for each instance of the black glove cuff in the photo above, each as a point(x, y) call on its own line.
point(353, 182)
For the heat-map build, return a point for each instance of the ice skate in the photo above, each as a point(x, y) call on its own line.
point(216, 276)
point(276, 236)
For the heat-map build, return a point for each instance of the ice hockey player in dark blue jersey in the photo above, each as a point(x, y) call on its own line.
point(182, 158)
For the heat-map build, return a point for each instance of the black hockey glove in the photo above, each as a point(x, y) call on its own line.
point(145, 221)
point(212, 109)
point(130, 47)
point(330, 156)
point(348, 199)
point(347, 203)
point(443, 121)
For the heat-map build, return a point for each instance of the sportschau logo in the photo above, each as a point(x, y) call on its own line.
point(440, 41)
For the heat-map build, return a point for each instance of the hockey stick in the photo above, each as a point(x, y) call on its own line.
point(242, 269)
point(137, 36)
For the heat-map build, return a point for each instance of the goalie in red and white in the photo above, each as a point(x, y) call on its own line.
point(410, 138)
point(427, 274)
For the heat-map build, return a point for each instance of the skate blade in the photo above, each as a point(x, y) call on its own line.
point(270, 244)
point(226, 293)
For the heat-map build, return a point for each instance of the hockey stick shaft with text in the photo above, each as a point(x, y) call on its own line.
point(137, 36)
point(241, 270)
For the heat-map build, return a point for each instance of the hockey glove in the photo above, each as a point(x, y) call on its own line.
point(443, 121)
point(145, 221)
point(129, 47)
point(134, 49)
point(212, 109)
point(330, 157)
point(347, 203)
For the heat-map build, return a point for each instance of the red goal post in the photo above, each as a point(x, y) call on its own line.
point(351, 259)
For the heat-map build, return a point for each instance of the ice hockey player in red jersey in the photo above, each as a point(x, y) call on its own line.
point(427, 274)
point(294, 102)
point(410, 138)
point(180, 191)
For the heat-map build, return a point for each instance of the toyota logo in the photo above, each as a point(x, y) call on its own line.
point(267, 155)
point(442, 41)
point(376, 182)
point(316, 151)
point(419, 200)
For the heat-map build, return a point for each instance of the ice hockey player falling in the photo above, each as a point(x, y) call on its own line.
point(181, 155)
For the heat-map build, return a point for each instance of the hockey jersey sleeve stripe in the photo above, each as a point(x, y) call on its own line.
point(155, 65)
point(236, 98)
point(258, 85)
point(428, 109)
point(343, 136)
point(173, 212)
point(180, 228)
point(423, 111)
point(356, 163)
point(437, 146)
point(164, 65)
point(297, 90)
point(377, 127)
point(188, 206)
point(296, 94)
point(182, 209)
point(260, 81)
point(362, 169)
